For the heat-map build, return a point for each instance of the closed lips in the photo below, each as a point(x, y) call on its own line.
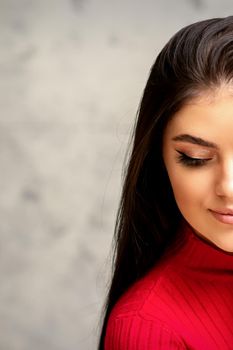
point(225, 217)
point(223, 212)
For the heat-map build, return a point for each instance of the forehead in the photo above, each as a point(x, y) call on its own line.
point(210, 116)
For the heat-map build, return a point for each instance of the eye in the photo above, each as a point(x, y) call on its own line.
point(190, 161)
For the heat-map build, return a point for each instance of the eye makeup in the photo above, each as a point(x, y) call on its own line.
point(186, 160)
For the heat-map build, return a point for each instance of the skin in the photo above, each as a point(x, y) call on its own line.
point(206, 189)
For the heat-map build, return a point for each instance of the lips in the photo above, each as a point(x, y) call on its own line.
point(225, 216)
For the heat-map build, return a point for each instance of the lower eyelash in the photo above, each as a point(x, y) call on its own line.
point(189, 161)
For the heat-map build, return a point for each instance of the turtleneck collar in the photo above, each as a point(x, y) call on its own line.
point(194, 253)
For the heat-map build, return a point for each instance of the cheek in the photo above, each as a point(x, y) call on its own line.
point(183, 190)
point(190, 188)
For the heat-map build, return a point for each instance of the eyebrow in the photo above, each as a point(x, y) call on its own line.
point(194, 140)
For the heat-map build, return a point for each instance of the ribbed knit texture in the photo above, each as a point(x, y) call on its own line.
point(184, 302)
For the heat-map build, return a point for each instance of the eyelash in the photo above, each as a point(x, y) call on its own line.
point(191, 162)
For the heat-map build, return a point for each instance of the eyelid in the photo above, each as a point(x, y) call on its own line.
point(204, 155)
point(191, 162)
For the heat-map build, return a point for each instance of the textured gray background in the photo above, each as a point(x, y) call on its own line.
point(72, 73)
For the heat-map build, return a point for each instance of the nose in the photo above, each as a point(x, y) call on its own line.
point(224, 183)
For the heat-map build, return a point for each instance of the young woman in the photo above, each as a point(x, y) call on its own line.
point(172, 286)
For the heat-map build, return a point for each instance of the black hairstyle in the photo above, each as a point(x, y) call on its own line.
point(196, 60)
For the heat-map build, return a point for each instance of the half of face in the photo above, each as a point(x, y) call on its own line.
point(198, 156)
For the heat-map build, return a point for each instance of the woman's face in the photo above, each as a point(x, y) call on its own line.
point(198, 155)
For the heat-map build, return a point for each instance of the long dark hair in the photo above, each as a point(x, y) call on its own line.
point(197, 59)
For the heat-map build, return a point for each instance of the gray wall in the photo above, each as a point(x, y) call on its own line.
point(72, 73)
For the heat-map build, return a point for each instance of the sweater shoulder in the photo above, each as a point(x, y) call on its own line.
point(137, 320)
point(135, 333)
point(144, 297)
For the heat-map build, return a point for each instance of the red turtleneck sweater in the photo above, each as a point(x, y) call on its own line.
point(184, 302)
